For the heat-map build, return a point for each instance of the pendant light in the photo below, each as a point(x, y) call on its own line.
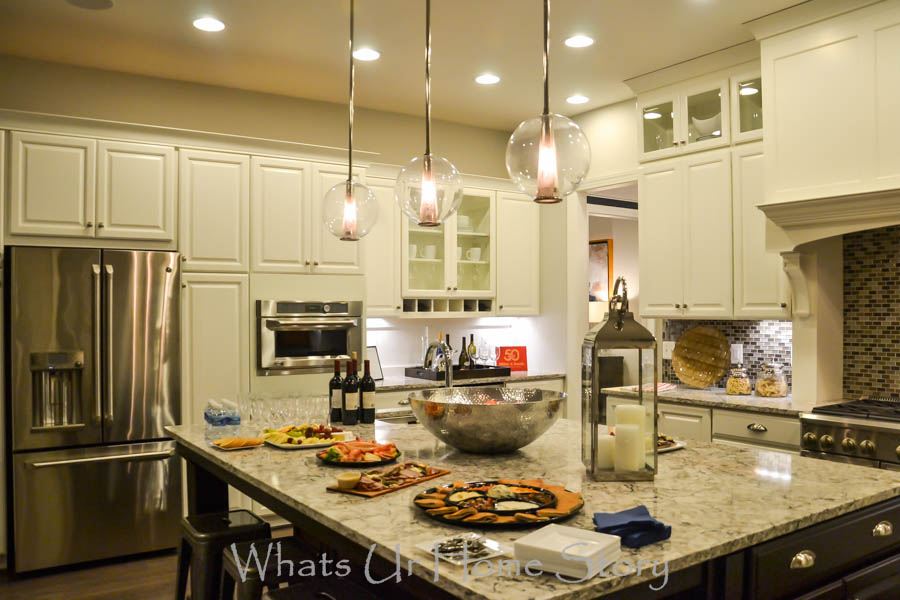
point(429, 188)
point(548, 156)
point(350, 209)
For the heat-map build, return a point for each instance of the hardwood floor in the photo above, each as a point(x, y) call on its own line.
point(151, 578)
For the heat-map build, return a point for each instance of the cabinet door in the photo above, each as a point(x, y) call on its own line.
point(660, 236)
point(280, 201)
point(215, 340)
point(684, 422)
point(704, 116)
point(707, 235)
point(746, 106)
point(135, 191)
point(760, 285)
point(424, 250)
point(887, 90)
point(474, 245)
point(659, 132)
point(214, 204)
point(331, 255)
point(381, 252)
point(52, 185)
point(518, 250)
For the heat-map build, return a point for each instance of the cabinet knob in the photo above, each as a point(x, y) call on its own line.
point(803, 559)
point(677, 306)
point(684, 307)
point(183, 285)
point(501, 307)
point(88, 224)
point(883, 529)
point(184, 259)
point(784, 305)
point(307, 263)
point(757, 428)
point(100, 225)
point(315, 263)
point(398, 308)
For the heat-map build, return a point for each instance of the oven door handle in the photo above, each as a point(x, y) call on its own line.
point(306, 324)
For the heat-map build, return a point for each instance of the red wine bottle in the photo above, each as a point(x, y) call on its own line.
point(367, 391)
point(336, 394)
point(350, 391)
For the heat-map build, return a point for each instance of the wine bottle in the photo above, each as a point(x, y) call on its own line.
point(472, 351)
point(350, 392)
point(336, 393)
point(463, 355)
point(367, 391)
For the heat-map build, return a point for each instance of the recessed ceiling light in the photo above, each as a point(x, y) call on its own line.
point(577, 99)
point(209, 24)
point(366, 54)
point(651, 114)
point(579, 41)
point(747, 89)
point(487, 79)
point(92, 4)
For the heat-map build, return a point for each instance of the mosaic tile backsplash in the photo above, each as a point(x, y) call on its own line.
point(764, 341)
point(872, 312)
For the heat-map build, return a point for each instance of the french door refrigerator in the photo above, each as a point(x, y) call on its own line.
point(93, 369)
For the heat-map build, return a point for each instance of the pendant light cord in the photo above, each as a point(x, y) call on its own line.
point(352, 69)
point(427, 77)
point(546, 57)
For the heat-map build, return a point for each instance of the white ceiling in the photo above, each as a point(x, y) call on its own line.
point(299, 47)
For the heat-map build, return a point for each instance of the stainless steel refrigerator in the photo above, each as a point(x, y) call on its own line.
point(93, 377)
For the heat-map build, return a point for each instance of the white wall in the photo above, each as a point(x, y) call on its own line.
point(612, 132)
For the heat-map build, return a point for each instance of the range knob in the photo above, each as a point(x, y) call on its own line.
point(849, 445)
point(897, 451)
point(867, 447)
point(810, 439)
point(826, 442)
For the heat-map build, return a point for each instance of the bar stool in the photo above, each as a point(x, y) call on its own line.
point(203, 537)
point(250, 586)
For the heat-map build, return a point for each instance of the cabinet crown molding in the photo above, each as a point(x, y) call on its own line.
point(801, 15)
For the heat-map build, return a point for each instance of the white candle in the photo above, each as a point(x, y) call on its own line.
point(631, 414)
point(629, 447)
point(606, 451)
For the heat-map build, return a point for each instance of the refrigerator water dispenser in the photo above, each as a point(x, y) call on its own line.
point(56, 390)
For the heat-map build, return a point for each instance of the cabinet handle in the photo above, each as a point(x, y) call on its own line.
point(757, 428)
point(398, 308)
point(315, 263)
point(88, 225)
point(784, 305)
point(803, 559)
point(183, 285)
point(883, 529)
point(684, 307)
point(307, 263)
point(184, 259)
point(100, 225)
point(677, 306)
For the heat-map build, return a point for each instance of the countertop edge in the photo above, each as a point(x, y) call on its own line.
point(715, 399)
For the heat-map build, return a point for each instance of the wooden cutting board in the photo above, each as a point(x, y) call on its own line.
point(372, 494)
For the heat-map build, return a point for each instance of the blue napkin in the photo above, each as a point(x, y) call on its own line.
point(635, 526)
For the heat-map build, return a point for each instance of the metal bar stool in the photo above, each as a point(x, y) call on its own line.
point(278, 557)
point(203, 537)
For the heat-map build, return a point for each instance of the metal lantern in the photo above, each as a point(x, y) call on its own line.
point(630, 454)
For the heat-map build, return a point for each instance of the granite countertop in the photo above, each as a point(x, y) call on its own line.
point(709, 494)
point(717, 398)
point(400, 383)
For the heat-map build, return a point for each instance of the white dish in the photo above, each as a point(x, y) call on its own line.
point(343, 436)
point(678, 446)
point(580, 546)
point(495, 549)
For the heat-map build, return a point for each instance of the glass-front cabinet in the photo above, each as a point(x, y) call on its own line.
point(684, 119)
point(455, 259)
point(746, 106)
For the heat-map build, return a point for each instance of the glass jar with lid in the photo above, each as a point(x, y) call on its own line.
point(771, 382)
point(738, 383)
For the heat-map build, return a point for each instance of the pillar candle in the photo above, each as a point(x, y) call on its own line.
point(606, 451)
point(629, 451)
point(631, 414)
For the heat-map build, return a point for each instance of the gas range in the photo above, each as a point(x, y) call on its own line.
point(865, 432)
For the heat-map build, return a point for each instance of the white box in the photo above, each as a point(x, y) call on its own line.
point(584, 549)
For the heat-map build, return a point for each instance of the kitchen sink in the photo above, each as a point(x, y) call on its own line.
point(458, 373)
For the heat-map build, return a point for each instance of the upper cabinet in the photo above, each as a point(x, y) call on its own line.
point(518, 247)
point(688, 117)
point(746, 106)
point(330, 254)
point(66, 186)
point(280, 240)
point(830, 102)
point(214, 203)
point(52, 185)
point(136, 191)
point(381, 252)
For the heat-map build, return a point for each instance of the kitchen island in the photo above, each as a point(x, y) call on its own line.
point(719, 500)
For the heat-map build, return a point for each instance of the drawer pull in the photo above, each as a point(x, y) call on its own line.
point(757, 427)
point(883, 529)
point(803, 559)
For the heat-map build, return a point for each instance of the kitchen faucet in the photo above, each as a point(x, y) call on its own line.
point(446, 358)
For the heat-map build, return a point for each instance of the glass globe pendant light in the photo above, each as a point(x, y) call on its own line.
point(548, 156)
point(350, 209)
point(429, 188)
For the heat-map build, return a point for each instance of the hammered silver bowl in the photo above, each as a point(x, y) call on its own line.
point(487, 420)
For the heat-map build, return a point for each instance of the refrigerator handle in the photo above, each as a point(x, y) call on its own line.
point(110, 272)
point(98, 381)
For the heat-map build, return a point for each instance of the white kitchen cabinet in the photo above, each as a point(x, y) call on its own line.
point(684, 230)
point(52, 183)
point(687, 117)
point(330, 254)
point(757, 429)
point(381, 253)
point(280, 217)
point(214, 209)
point(136, 191)
point(518, 252)
point(684, 422)
point(761, 288)
point(746, 106)
point(830, 103)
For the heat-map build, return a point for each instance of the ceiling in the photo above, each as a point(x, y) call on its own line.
point(299, 47)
